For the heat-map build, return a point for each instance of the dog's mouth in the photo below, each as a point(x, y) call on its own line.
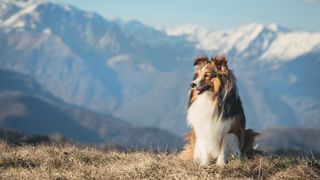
point(201, 90)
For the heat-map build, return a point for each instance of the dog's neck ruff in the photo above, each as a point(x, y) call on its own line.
point(201, 109)
point(209, 127)
point(203, 112)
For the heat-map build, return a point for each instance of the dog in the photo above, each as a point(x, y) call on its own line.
point(215, 114)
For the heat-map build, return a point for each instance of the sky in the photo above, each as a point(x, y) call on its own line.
point(214, 14)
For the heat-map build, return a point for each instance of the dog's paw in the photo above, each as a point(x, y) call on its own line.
point(221, 163)
point(233, 156)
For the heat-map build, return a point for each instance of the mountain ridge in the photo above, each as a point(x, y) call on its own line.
point(278, 43)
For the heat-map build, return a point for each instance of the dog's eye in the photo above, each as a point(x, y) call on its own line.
point(206, 75)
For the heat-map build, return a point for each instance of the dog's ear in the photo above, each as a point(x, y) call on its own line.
point(200, 61)
point(221, 63)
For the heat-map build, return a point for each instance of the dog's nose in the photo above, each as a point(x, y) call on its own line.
point(193, 84)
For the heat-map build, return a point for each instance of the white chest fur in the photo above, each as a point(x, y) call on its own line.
point(209, 128)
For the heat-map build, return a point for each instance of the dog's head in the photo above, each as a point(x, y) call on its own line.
point(211, 75)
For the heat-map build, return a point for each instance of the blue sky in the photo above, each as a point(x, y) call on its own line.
point(214, 14)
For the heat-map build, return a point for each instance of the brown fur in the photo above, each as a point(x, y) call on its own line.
point(216, 86)
point(221, 64)
point(238, 130)
point(187, 153)
point(200, 61)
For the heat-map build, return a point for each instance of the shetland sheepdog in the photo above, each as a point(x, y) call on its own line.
point(215, 115)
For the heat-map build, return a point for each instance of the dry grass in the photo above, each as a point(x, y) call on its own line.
point(71, 162)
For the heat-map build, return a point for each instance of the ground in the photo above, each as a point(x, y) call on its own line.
point(81, 162)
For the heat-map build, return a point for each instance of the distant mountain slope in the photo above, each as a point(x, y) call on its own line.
point(141, 74)
point(33, 115)
point(26, 108)
point(290, 139)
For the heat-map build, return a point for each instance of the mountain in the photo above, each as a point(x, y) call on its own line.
point(141, 74)
point(77, 49)
point(79, 55)
point(254, 41)
point(26, 107)
point(286, 140)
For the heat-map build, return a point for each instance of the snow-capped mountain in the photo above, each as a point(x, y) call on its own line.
point(265, 43)
point(141, 74)
point(50, 43)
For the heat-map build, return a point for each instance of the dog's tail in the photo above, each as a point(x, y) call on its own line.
point(249, 137)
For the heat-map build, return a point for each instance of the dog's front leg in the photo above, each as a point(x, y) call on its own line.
point(201, 152)
point(229, 146)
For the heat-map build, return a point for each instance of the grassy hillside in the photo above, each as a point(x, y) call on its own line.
point(72, 162)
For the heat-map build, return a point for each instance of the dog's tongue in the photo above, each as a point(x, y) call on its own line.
point(196, 91)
